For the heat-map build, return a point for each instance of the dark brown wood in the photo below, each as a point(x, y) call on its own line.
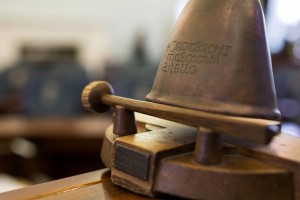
point(282, 153)
point(107, 151)
point(209, 149)
point(237, 178)
point(81, 127)
point(156, 144)
point(254, 130)
point(69, 140)
point(124, 122)
point(91, 186)
point(92, 92)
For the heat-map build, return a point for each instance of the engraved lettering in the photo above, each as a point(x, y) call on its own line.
point(185, 46)
point(171, 69)
point(178, 58)
point(193, 47)
point(183, 68)
point(198, 48)
point(172, 46)
point(204, 48)
point(184, 57)
point(205, 59)
point(189, 58)
point(179, 44)
point(165, 67)
point(176, 70)
point(214, 60)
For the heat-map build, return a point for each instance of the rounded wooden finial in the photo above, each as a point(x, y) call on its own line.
point(92, 93)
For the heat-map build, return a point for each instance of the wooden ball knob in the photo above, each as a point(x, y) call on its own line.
point(92, 93)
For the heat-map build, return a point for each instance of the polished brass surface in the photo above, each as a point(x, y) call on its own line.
point(218, 60)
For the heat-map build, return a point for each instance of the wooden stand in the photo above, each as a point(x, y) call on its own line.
point(169, 153)
point(165, 159)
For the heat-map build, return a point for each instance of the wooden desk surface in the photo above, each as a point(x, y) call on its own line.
point(62, 147)
point(80, 127)
point(89, 186)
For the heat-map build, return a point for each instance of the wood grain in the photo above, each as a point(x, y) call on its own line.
point(107, 151)
point(237, 177)
point(97, 96)
point(157, 144)
point(89, 186)
point(282, 152)
point(254, 130)
point(81, 127)
point(209, 148)
point(124, 122)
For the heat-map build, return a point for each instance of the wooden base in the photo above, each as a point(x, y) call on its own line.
point(136, 156)
point(248, 172)
point(237, 177)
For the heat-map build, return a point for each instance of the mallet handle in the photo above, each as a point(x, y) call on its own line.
point(253, 130)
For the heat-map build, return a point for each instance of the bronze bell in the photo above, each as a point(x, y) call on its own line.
point(218, 60)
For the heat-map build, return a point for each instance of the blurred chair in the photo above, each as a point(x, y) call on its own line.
point(54, 90)
point(47, 82)
point(131, 81)
point(43, 92)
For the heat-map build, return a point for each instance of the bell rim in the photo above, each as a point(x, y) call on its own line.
point(218, 107)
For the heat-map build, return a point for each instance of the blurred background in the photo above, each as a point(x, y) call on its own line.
point(49, 50)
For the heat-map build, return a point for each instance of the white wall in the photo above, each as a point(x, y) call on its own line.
point(101, 29)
